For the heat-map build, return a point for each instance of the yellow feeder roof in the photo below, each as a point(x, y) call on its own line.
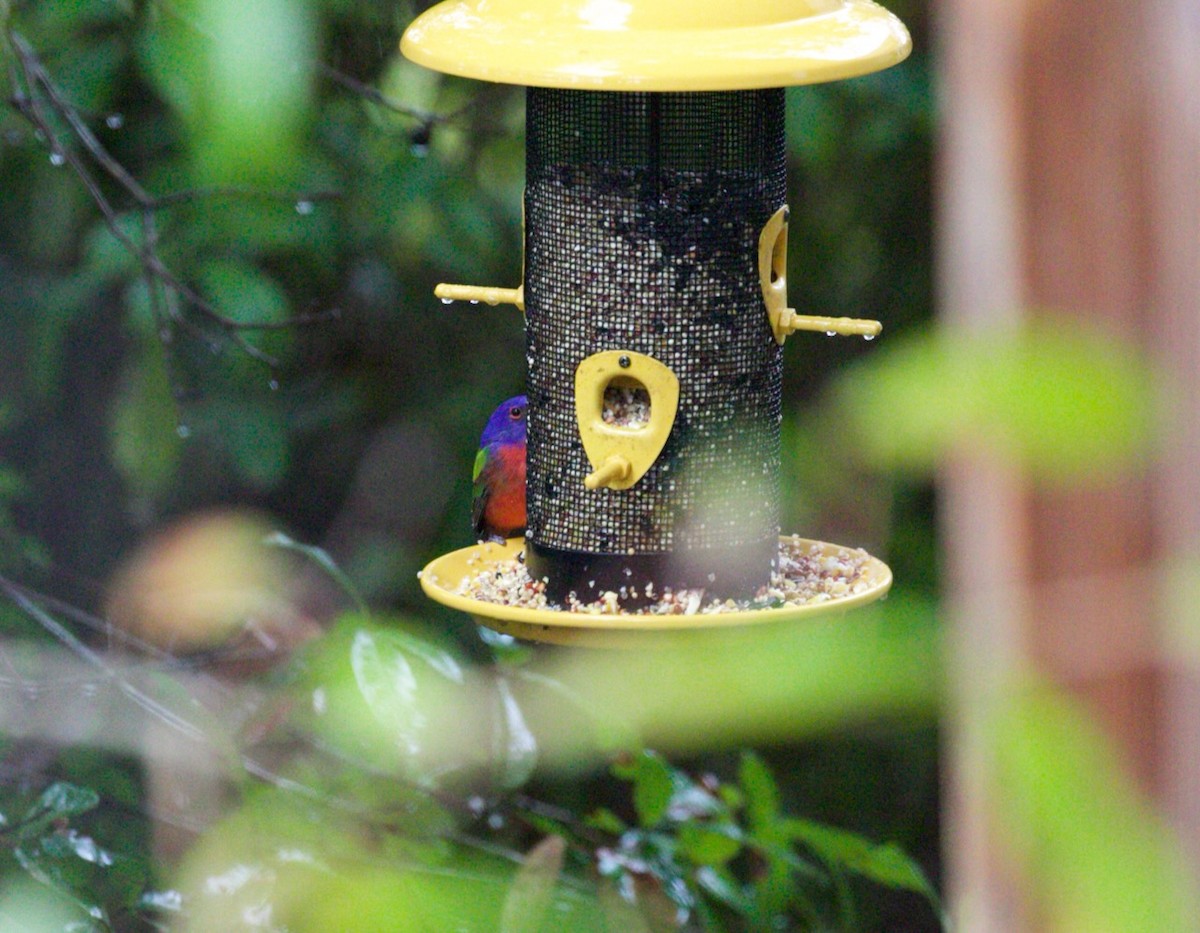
point(657, 45)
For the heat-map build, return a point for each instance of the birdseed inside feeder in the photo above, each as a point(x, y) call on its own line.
point(655, 258)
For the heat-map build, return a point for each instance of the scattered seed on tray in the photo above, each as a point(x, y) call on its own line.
point(806, 574)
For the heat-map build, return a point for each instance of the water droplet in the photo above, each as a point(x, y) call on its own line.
point(868, 336)
point(474, 301)
point(304, 208)
point(57, 158)
point(447, 301)
point(419, 139)
point(114, 121)
point(273, 384)
point(183, 431)
point(831, 333)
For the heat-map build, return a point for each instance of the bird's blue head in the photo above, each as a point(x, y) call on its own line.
point(507, 424)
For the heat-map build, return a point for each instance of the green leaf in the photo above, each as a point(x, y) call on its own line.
point(144, 422)
point(884, 864)
point(653, 786)
point(246, 295)
point(243, 293)
point(764, 685)
point(27, 905)
point(531, 896)
point(319, 870)
point(709, 845)
point(382, 663)
point(620, 910)
point(62, 800)
point(602, 729)
point(105, 255)
point(722, 885)
point(606, 821)
point(257, 439)
point(378, 695)
point(761, 791)
point(69, 843)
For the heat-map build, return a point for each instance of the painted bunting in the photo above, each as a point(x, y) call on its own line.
point(498, 509)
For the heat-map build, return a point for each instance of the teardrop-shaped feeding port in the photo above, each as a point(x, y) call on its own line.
point(625, 405)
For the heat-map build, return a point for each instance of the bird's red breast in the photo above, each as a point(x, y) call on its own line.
point(504, 474)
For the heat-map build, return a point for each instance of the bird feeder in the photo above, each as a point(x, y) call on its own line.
point(655, 277)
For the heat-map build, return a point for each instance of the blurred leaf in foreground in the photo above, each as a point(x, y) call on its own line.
point(1099, 858)
point(720, 689)
point(283, 864)
point(379, 695)
point(1066, 403)
point(240, 76)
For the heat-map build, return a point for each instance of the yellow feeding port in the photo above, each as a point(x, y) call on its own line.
point(657, 45)
point(625, 403)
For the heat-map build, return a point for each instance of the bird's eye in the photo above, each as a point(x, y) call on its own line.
point(516, 412)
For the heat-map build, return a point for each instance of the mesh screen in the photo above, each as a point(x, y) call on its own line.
point(643, 213)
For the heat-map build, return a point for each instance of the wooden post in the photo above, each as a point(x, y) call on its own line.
point(1068, 185)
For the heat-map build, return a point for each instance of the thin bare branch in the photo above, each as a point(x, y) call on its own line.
point(376, 96)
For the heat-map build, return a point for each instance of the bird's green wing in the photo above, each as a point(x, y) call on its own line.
point(479, 500)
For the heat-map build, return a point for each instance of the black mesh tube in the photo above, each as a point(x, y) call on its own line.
point(643, 214)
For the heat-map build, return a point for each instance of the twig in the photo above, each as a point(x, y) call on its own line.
point(373, 94)
point(427, 119)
